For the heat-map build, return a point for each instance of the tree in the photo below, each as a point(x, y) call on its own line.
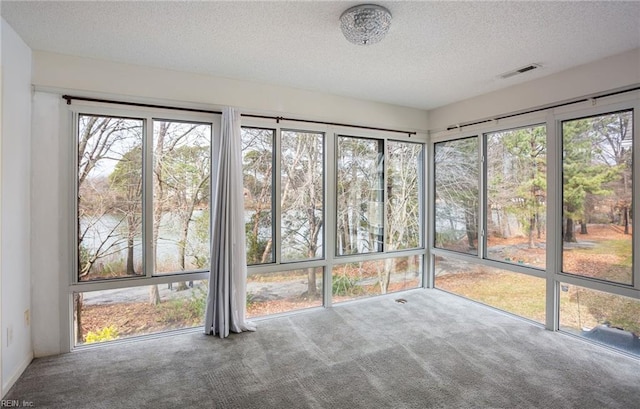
point(187, 181)
point(301, 199)
point(516, 175)
point(102, 144)
point(614, 139)
point(126, 180)
point(360, 195)
point(457, 182)
point(583, 175)
point(257, 160)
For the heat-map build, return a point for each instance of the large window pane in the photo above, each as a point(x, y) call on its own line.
point(257, 167)
point(360, 195)
point(610, 319)
point(597, 197)
point(302, 195)
point(404, 186)
point(351, 281)
point(516, 293)
point(456, 190)
point(181, 172)
point(516, 196)
point(101, 316)
point(109, 197)
point(273, 293)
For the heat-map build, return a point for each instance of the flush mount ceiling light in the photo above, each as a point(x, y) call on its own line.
point(365, 24)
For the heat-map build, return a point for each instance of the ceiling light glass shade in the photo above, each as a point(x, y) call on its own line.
point(365, 24)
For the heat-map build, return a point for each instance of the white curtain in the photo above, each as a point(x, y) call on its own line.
point(226, 302)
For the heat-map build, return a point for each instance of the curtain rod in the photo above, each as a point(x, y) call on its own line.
point(69, 98)
point(544, 108)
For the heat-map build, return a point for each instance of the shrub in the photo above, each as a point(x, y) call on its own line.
point(189, 311)
point(251, 299)
point(345, 285)
point(105, 334)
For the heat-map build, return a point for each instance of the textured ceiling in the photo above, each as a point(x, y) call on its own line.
point(435, 53)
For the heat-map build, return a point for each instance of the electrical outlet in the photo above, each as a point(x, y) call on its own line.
point(27, 317)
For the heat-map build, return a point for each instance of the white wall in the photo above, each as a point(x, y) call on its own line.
point(15, 205)
point(604, 75)
point(50, 225)
point(84, 74)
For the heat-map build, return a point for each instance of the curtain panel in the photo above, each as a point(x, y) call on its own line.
point(226, 301)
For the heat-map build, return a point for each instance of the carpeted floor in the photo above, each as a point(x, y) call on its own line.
point(437, 350)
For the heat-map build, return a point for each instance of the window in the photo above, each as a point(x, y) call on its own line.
point(516, 196)
point(181, 174)
point(553, 213)
point(143, 220)
point(516, 293)
point(362, 279)
point(107, 315)
point(360, 195)
point(284, 218)
point(404, 190)
point(300, 199)
point(457, 195)
point(597, 181)
point(301, 195)
point(283, 291)
point(363, 169)
point(109, 183)
point(606, 318)
point(142, 184)
point(257, 168)
point(111, 178)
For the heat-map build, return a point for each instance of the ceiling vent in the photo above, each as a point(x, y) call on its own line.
point(519, 71)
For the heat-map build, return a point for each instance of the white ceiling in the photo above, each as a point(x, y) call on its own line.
point(435, 53)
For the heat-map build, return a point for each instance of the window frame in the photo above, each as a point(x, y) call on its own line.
point(484, 231)
point(69, 124)
point(629, 290)
point(278, 220)
point(381, 146)
point(148, 117)
point(553, 274)
point(480, 226)
point(421, 171)
point(275, 183)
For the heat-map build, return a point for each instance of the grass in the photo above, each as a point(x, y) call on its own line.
point(524, 295)
point(621, 248)
point(608, 260)
point(516, 293)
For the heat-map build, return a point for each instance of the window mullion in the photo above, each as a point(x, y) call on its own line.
point(554, 218)
point(330, 213)
point(384, 196)
point(482, 196)
point(76, 194)
point(277, 196)
point(635, 189)
point(147, 200)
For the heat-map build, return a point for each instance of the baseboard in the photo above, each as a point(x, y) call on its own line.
point(16, 375)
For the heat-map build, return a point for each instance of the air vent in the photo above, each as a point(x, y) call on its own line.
point(519, 71)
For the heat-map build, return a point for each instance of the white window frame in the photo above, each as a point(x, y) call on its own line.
point(328, 260)
point(73, 285)
point(553, 274)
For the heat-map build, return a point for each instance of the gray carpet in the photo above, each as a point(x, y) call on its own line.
point(436, 351)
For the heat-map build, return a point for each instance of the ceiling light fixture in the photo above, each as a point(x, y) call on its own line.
point(365, 24)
